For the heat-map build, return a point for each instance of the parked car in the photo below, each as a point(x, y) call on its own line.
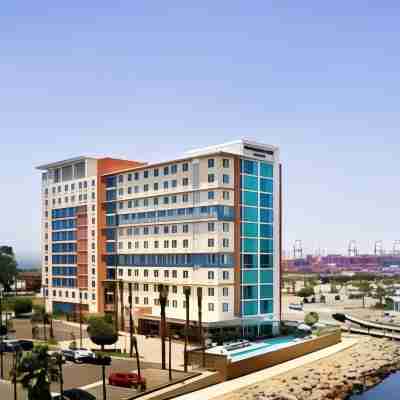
point(75, 394)
point(27, 345)
point(296, 307)
point(126, 379)
point(98, 360)
point(78, 355)
point(10, 346)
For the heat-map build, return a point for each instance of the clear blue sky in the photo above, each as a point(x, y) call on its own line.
point(149, 79)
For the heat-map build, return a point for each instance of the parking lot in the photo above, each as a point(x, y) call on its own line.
point(89, 378)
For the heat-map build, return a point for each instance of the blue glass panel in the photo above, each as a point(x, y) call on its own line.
point(250, 229)
point(250, 307)
point(111, 181)
point(266, 200)
point(266, 170)
point(250, 245)
point(266, 230)
point(250, 292)
point(266, 185)
point(249, 198)
point(111, 208)
point(249, 261)
point(266, 276)
point(266, 246)
point(250, 277)
point(249, 214)
point(266, 307)
point(266, 291)
point(248, 167)
point(250, 182)
point(266, 215)
point(111, 195)
point(266, 261)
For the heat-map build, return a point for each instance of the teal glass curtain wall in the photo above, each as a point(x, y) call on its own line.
point(257, 227)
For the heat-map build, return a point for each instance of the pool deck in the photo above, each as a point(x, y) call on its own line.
point(264, 374)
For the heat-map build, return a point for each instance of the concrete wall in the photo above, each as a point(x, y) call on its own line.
point(230, 370)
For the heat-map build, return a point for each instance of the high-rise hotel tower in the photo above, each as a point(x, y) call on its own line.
point(115, 230)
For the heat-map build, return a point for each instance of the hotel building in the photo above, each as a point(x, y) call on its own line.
point(115, 230)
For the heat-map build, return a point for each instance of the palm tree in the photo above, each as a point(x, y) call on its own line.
point(201, 336)
point(35, 371)
point(163, 295)
point(134, 343)
point(186, 292)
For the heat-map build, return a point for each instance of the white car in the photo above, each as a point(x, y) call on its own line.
point(78, 355)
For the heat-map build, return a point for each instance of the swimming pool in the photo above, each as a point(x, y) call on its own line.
point(258, 348)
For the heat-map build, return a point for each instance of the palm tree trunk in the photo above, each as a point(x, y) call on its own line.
point(186, 292)
point(103, 370)
point(130, 321)
point(137, 358)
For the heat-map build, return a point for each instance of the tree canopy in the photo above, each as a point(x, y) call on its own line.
point(8, 269)
point(306, 292)
point(101, 332)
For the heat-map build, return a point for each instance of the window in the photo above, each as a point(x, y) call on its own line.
point(173, 199)
point(185, 274)
point(120, 271)
point(145, 174)
point(210, 274)
point(174, 228)
point(225, 227)
point(211, 227)
point(137, 272)
point(155, 201)
point(165, 184)
point(185, 181)
point(174, 303)
point(166, 170)
point(166, 244)
point(211, 178)
point(165, 200)
point(145, 287)
point(225, 307)
point(155, 172)
point(210, 306)
point(156, 230)
point(211, 242)
point(136, 176)
point(174, 183)
point(225, 291)
point(225, 163)
point(225, 275)
point(185, 198)
point(174, 169)
point(129, 272)
point(166, 229)
point(174, 244)
point(120, 178)
point(185, 243)
point(185, 228)
point(145, 273)
point(174, 273)
point(211, 163)
point(211, 291)
point(145, 300)
point(156, 244)
point(225, 178)
point(210, 195)
point(174, 289)
point(155, 186)
point(155, 273)
point(145, 188)
point(166, 274)
point(146, 244)
point(225, 243)
point(129, 177)
point(136, 300)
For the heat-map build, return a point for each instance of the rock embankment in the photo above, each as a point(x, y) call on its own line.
point(350, 371)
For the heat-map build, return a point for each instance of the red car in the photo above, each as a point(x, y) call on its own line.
point(127, 379)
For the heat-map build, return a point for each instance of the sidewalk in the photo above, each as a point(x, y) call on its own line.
point(262, 375)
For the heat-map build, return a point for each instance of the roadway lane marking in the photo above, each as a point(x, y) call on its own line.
point(91, 385)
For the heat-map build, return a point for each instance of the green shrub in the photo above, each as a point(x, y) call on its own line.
point(311, 318)
point(22, 305)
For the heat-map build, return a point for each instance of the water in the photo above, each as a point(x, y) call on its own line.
point(389, 389)
point(261, 348)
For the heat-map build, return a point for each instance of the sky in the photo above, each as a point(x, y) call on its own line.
point(148, 80)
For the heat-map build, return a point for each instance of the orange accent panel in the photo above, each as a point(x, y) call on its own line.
point(105, 166)
point(237, 272)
